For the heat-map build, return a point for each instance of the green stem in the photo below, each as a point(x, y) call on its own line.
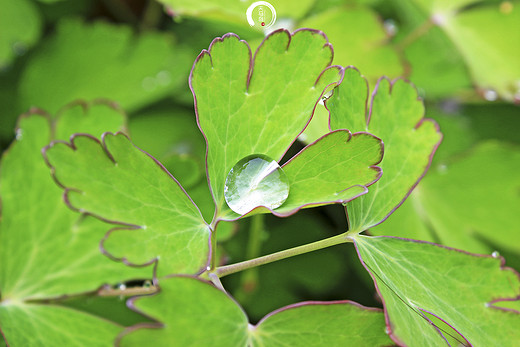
point(249, 278)
point(266, 259)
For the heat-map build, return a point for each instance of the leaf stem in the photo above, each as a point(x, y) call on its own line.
point(222, 271)
point(415, 34)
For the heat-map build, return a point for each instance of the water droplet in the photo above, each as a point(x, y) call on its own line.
point(256, 180)
point(19, 48)
point(303, 137)
point(490, 95)
point(495, 254)
point(147, 284)
point(164, 77)
point(208, 268)
point(149, 83)
point(390, 27)
point(121, 286)
point(442, 168)
point(388, 331)
point(19, 134)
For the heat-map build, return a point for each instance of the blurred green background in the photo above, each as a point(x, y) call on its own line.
point(463, 56)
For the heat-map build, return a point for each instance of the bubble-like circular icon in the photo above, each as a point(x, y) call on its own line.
point(261, 15)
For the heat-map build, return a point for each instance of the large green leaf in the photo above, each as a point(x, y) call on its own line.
point(396, 116)
point(191, 312)
point(359, 39)
point(131, 70)
point(246, 108)
point(47, 250)
point(20, 26)
point(418, 280)
point(116, 181)
point(464, 203)
point(49, 325)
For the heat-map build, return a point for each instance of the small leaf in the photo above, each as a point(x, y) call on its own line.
point(117, 182)
point(396, 116)
point(418, 279)
point(191, 312)
point(246, 108)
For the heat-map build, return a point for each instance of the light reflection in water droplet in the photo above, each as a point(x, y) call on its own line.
point(255, 180)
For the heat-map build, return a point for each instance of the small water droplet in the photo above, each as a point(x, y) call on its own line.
point(390, 27)
point(19, 134)
point(147, 284)
point(303, 137)
point(121, 286)
point(149, 83)
point(164, 77)
point(256, 180)
point(208, 268)
point(495, 254)
point(19, 48)
point(490, 95)
point(442, 168)
point(388, 330)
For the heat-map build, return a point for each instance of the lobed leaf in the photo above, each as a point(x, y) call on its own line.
point(396, 116)
point(433, 293)
point(117, 182)
point(464, 202)
point(247, 106)
point(47, 250)
point(191, 312)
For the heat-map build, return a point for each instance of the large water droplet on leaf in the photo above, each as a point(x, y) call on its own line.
point(256, 180)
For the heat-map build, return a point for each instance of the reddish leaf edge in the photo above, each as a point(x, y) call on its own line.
point(122, 225)
point(488, 304)
point(373, 167)
point(157, 324)
point(368, 116)
point(252, 58)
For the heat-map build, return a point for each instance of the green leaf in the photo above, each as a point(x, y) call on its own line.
point(417, 279)
point(47, 250)
point(245, 108)
point(359, 39)
point(172, 137)
point(116, 181)
point(20, 26)
point(464, 202)
point(131, 70)
point(336, 168)
point(49, 325)
point(396, 116)
point(489, 37)
point(191, 312)
point(335, 323)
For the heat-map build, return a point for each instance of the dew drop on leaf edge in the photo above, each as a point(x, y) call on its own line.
point(255, 180)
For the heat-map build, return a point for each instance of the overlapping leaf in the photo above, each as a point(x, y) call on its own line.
point(359, 39)
point(193, 313)
point(47, 250)
point(396, 116)
point(133, 71)
point(246, 109)
point(487, 38)
point(465, 204)
point(118, 182)
point(419, 280)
